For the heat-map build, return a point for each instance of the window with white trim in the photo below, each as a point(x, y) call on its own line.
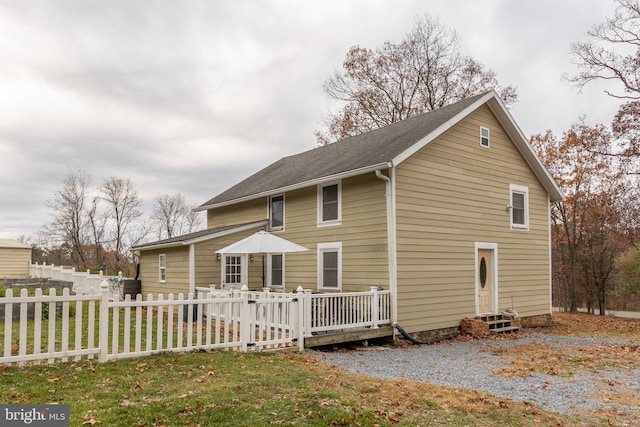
point(519, 207)
point(484, 137)
point(275, 263)
point(276, 212)
point(162, 267)
point(330, 266)
point(329, 204)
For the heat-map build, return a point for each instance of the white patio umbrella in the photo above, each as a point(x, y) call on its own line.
point(261, 242)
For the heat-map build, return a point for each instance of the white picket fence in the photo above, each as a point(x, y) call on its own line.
point(59, 327)
point(83, 281)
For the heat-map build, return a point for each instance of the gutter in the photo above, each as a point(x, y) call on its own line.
point(180, 243)
point(297, 186)
point(391, 238)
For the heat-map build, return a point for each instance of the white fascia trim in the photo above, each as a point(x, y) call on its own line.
point(509, 124)
point(501, 112)
point(442, 128)
point(205, 238)
point(305, 184)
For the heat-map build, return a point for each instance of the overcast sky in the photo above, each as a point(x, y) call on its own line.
point(193, 96)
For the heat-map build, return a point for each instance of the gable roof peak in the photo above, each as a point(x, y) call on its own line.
point(376, 149)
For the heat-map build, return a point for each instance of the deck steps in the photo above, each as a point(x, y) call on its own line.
point(499, 323)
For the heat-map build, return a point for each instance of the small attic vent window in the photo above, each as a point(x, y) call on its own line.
point(484, 137)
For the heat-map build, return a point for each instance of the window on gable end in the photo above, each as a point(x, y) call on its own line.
point(276, 212)
point(484, 137)
point(329, 204)
point(519, 206)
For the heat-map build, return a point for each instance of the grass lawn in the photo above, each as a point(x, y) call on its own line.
point(262, 389)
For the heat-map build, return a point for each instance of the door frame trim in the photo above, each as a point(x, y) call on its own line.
point(493, 247)
point(244, 270)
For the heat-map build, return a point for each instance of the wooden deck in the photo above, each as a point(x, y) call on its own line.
point(338, 337)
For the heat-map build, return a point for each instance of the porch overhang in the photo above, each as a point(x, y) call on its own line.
point(200, 236)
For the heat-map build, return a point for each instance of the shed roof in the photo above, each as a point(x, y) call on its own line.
point(9, 243)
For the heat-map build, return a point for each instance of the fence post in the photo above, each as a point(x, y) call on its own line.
point(375, 307)
point(103, 331)
point(301, 318)
point(308, 311)
point(245, 319)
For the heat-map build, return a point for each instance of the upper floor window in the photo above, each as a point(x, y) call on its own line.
point(329, 204)
point(519, 204)
point(162, 267)
point(484, 137)
point(276, 212)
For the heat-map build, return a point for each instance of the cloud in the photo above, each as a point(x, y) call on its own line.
point(195, 96)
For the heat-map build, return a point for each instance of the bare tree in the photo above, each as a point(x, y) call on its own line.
point(69, 225)
point(97, 225)
point(173, 217)
point(123, 203)
point(396, 81)
point(612, 52)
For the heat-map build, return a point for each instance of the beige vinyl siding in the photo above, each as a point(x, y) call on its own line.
point(363, 234)
point(252, 210)
point(208, 267)
point(177, 271)
point(14, 262)
point(450, 195)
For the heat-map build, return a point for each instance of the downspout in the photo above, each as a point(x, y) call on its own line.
point(550, 255)
point(391, 238)
point(192, 269)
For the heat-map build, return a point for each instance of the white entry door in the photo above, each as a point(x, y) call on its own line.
point(234, 271)
point(485, 283)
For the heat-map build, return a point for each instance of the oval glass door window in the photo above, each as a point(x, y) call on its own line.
point(483, 273)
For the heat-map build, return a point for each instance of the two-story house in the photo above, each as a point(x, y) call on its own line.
point(448, 210)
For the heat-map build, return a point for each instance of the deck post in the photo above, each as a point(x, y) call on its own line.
point(245, 319)
point(375, 307)
point(300, 318)
point(103, 326)
point(309, 315)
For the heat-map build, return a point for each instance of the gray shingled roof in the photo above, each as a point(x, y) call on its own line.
point(366, 150)
point(178, 240)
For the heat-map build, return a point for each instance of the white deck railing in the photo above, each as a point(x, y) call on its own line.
point(346, 310)
point(324, 312)
point(58, 327)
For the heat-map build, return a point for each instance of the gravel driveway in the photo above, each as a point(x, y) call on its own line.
point(464, 364)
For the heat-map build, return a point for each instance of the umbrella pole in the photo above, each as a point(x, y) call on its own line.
point(262, 270)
